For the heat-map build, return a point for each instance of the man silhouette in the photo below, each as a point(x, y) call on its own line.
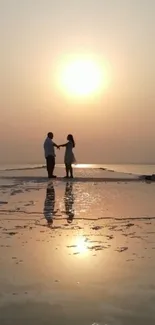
point(49, 151)
point(49, 204)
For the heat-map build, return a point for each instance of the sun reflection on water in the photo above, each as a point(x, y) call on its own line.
point(81, 245)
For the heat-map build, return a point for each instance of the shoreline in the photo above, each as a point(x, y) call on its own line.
point(75, 179)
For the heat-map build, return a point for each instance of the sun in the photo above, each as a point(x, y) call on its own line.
point(81, 77)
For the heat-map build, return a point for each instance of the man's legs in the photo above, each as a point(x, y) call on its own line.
point(50, 164)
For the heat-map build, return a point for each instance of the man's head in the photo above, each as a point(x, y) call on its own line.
point(50, 135)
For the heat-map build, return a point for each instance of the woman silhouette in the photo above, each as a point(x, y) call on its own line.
point(69, 158)
point(69, 201)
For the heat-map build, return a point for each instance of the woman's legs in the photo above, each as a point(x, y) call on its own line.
point(71, 171)
point(67, 170)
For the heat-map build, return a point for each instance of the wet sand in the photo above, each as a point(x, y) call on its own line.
point(94, 264)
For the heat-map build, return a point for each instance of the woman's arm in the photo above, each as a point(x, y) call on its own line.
point(63, 145)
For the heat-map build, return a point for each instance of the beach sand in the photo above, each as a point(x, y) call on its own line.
point(93, 265)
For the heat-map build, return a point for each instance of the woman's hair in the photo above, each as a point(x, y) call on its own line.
point(70, 138)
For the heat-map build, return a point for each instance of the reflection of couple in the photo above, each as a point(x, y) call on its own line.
point(49, 204)
point(69, 158)
point(69, 201)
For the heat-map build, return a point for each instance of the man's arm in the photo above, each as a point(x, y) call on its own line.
point(55, 145)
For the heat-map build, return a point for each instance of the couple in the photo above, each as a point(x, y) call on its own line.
point(69, 159)
point(49, 204)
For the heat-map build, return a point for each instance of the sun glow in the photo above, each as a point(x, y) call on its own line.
point(82, 77)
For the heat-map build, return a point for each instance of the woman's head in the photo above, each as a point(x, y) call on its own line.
point(71, 139)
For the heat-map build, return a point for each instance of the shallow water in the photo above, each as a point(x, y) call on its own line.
point(94, 264)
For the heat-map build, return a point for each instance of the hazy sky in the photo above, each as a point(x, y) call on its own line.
point(35, 37)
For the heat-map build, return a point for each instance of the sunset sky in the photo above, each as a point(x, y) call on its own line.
point(113, 121)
